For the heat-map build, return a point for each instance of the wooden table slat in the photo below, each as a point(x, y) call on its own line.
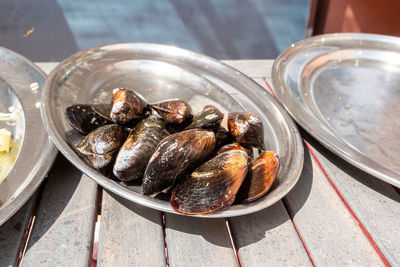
point(198, 242)
point(329, 232)
point(362, 191)
point(63, 229)
point(13, 231)
point(268, 238)
point(375, 203)
point(130, 234)
point(253, 68)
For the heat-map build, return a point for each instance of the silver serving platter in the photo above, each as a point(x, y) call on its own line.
point(159, 72)
point(344, 89)
point(20, 94)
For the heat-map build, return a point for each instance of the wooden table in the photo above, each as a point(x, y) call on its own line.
point(336, 215)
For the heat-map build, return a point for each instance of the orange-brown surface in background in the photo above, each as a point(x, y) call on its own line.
point(368, 16)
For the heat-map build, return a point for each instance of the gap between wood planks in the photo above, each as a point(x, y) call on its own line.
point(337, 191)
point(97, 219)
point(165, 239)
point(29, 226)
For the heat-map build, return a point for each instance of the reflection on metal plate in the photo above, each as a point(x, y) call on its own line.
point(345, 90)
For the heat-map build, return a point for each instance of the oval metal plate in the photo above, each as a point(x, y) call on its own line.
point(344, 89)
point(161, 72)
point(20, 89)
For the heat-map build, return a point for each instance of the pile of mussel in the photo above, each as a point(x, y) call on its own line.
point(205, 166)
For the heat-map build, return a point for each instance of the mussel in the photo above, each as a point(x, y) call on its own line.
point(99, 145)
point(234, 146)
point(223, 137)
point(84, 118)
point(135, 153)
point(212, 186)
point(127, 105)
point(208, 118)
point(175, 155)
point(259, 178)
point(174, 111)
point(247, 129)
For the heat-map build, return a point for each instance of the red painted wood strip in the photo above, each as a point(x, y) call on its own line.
point(302, 241)
point(239, 260)
point(270, 88)
point(359, 223)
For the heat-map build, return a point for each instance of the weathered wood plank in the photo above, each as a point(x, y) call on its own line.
point(47, 67)
point(374, 202)
point(63, 230)
point(329, 232)
point(362, 191)
point(268, 238)
point(253, 68)
point(13, 232)
point(130, 234)
point(198, 242)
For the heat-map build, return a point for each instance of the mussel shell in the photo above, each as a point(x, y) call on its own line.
point(135, 153)
point(99, 161)
point(260, 178)
point(127, 105)
point(174, 111)
point(213, 185)
point(103, 110)
point(247, 129)
point(103, 140)
point(175, 155)
point(223, 137)
point(234, 146)
point(208, 118)
point(83, 118)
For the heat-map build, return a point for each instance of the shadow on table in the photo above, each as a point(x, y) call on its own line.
point(58, 189)
point(212, 230)
point(301, 191)
point(250, 229)
point(359, 175)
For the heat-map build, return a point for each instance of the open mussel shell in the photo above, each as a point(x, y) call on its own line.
point(247, 129)
point(174, 156)
point(208, 118)
point(259, 178)
point(212, 186)
point(84, 119)
point(103, 110)
point(103, 141)
point(174, 111)
point(140, 145)
point(127, 105)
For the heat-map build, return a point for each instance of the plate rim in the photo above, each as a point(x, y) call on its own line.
point(108, 184)
point(340, 149)
point(18, 199)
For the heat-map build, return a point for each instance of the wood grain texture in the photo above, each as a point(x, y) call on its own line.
point(375, 203)
point(47, 67)
point(63, 230)
point(253, 68)
point(268, 238)
point(329, 232)
point(130, 234)
point(362, 191)
point(198, 242)
point(12, 232)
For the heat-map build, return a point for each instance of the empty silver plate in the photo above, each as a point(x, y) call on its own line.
point(161, 72)
point(20, 95)
point(344, 89)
